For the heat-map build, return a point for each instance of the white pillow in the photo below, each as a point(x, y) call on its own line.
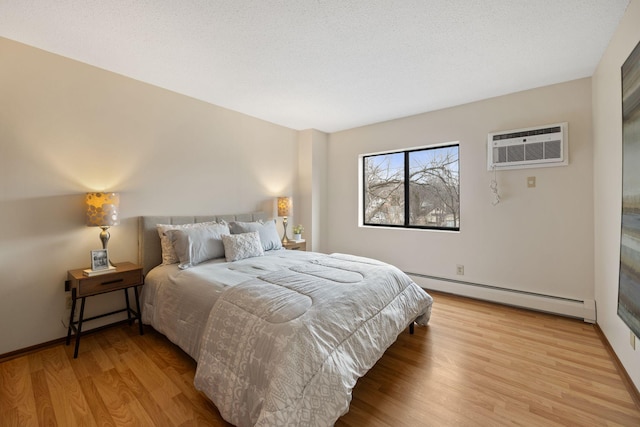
point(267, 230)
point(241, 246)
point(168, 253)
point(194, 245)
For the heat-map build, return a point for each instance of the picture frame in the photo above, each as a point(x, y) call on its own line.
point(629, 277)
point(99, 260)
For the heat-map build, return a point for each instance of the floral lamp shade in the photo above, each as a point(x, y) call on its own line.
point(102, 209)
point(284, 206)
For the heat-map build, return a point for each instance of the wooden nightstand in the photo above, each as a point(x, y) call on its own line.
point(126, 275)
point(293, 246)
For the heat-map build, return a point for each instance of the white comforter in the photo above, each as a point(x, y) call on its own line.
point(287, 347)
point(177, 302)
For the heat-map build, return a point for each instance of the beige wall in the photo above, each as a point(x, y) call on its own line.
point(67, 128)
point(537, 240)
point(607, 125)
point(312, 187)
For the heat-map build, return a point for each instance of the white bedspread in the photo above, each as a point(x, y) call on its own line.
point(177, 302)
point(287, 347)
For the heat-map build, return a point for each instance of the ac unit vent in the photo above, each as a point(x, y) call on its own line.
point(535, 147)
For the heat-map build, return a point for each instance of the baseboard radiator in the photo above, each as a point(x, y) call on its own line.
point(581, 309)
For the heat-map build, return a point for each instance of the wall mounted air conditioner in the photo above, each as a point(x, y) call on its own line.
point(535, 147)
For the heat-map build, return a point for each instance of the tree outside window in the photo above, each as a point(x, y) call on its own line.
point(417, 188)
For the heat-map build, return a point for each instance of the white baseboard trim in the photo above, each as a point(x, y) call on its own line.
point(585, 310)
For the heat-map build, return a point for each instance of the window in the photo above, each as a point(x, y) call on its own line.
point(418, 188)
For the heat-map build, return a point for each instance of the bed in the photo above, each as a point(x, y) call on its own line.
point(280, 337)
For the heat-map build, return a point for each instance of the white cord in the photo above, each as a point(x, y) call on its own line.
point(494, 188)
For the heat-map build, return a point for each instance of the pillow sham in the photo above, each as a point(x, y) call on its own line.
point(194, 245)
point(241, 246)
point(267, 231)
point(168, 253)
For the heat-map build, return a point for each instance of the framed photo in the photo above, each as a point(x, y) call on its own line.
point(99, 259)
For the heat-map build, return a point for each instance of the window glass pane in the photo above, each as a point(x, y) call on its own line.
point(418, 188)
point(384, 189)
point(434, 188)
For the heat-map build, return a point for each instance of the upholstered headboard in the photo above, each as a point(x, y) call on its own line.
point(149, 250)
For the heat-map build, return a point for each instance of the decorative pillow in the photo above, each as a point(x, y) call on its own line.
point(194, 245)
point(267, 231)
point(241, 246)
point(168, 253)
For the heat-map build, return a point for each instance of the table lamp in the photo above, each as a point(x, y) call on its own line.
point(284, 210)
point(102, 211)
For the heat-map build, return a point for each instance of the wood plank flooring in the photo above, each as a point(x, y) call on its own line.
point(476, 364)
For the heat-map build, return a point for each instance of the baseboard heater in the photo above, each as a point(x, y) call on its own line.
point(581, 309)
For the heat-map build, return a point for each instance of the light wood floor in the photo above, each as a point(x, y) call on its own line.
point(477, 364)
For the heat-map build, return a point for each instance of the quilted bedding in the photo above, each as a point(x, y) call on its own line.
point(177, 302)
point(287, 347)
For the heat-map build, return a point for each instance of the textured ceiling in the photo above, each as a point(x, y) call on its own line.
point(326, 64)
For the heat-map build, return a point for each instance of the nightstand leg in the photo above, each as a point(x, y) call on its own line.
point(79, 331)
point(126, 297)
point(71, 316)
point(135, 291)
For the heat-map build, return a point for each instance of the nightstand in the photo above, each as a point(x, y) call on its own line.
point(295, 246)
point(126, 275)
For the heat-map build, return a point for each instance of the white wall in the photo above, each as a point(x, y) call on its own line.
point(67, 128)
point(607, 125)
point(536, 240)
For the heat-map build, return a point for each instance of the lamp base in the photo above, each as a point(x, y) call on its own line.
point(104, 238)
point(285, 239)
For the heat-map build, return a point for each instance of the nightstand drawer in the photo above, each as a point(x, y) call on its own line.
point(109, 282)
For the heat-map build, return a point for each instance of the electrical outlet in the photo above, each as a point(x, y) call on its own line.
point(531, 182)
point(632, 340)
point(460, 270)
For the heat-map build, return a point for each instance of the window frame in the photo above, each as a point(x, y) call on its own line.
point(406, 185)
